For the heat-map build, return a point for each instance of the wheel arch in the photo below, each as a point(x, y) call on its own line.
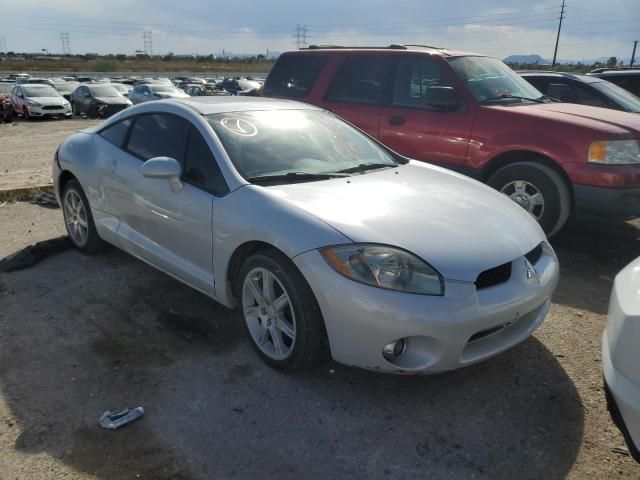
point(64, 178)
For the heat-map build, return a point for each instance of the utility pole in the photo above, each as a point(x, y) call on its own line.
point(64, 38)
point(555, 52)
point(633, 55)
point(148, 46)
point(301, 36)
point(3, 44)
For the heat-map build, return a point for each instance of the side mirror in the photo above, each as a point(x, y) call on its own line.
point(442, 98)
point(164, 167)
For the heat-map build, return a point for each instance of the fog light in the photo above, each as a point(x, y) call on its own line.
point(394, 349)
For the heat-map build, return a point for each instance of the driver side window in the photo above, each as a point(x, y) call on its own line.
point(158, 135)
point(414, 77)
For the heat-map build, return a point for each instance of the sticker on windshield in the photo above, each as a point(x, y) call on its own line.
point(239, 126)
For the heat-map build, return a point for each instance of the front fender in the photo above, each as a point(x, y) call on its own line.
point(253, 213)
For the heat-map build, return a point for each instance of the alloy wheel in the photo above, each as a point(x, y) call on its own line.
point(75, 215)
point(527, 195)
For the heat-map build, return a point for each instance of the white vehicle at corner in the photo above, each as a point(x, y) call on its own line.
point(319, 235)
point(621, 355)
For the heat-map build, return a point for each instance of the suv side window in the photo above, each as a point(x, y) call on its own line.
point(200, 167)
point(414, 76)
point(573, 92)
point(294, 75)
point(158, 135)
point(361, 79)
point(116, 133)
point(541, 84)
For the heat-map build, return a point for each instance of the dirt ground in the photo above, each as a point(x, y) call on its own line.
point(80, 334)
point(27, 148)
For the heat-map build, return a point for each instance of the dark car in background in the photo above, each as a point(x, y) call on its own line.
point(98, 100)
point(6, 110)
point(583, 90)
point(629, 79)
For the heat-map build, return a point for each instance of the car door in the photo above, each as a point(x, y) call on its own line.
point(412, 127)
point(171, 230)
point(359, 86)
point(16, 99)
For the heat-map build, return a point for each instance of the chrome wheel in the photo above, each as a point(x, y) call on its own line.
point(75, 216)
point(268, 313)
point(526, 195)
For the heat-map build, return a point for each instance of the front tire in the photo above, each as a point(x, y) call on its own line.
point(537, 188)
point(279, 312)
point(78, 219)
point(25, 114)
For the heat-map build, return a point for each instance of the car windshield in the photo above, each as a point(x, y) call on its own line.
point(40, 91)
point(619, 95)
point(121, 88)
point(63, 87)
point(280, 142)
point(104, 91)
point(490, 81)
point(163, 89)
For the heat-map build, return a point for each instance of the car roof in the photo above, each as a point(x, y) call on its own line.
point(411, 48)
point(615, 73)
point(224, 104)
point(573, 76)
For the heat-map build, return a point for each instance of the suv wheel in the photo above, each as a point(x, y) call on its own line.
point(537, 188)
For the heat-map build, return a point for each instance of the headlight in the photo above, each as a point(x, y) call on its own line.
point(66, 104)
point(614, 152)
point(384, 267)
point(33, 104)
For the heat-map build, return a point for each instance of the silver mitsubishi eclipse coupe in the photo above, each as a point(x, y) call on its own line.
point(323, 239)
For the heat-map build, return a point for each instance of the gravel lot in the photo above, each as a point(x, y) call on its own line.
point(81, 334)
point(26, 149)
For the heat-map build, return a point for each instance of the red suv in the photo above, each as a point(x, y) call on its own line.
point(473, 114)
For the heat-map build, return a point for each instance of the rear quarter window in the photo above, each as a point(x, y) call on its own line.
point(294, 75)
point(116, 133)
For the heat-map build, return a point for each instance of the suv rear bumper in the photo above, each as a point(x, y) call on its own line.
point(617, 202)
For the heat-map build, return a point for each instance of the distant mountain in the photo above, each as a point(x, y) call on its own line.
point(528, 59)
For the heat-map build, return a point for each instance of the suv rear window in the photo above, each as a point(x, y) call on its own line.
point(294, 75)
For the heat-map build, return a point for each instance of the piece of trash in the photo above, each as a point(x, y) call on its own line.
point(621, 450)
point(113, 420)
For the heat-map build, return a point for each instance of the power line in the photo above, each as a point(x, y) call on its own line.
point(148, 46)
point(66, 47)
point(555, 52)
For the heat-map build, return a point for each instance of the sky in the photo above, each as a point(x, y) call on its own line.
point(591, 28)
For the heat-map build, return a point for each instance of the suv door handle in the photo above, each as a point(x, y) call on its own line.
point(396, 121)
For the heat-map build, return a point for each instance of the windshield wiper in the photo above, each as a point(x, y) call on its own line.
point(295, 177)
point(363, 167)
point(508, 95)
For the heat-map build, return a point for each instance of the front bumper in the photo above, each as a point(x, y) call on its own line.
point(45, 111)
point(360, 320)
point(613, 202)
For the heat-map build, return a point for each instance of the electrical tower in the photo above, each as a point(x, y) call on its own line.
point(66, 48)
point(3, 45)
point(301, 36)
point(148, 47)
point(555, 52)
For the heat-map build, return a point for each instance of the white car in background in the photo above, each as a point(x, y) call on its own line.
point(39, 100)
point(323, 238)
point(621, 355)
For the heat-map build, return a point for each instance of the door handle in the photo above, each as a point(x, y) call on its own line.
point(396, 121)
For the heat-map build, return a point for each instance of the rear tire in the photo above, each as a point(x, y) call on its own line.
point(78, 219)
point(287, 314)
point(539, 189)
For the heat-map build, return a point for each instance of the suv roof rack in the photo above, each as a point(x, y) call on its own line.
point(393, 46)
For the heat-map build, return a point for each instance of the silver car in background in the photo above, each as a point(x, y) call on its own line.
point(322, 238)
point(38, 100)
point(147, 92)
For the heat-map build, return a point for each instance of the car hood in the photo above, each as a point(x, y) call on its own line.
point(48, 100)
point(113, 100)
point(459, 226)
point(607, 120)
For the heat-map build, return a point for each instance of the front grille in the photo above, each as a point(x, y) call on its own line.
point(534, 255)
point(52, 107)
point(494, 276)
